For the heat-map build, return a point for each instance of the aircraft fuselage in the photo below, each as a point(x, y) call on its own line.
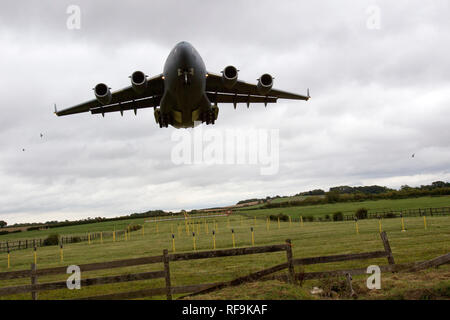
point(184, 99)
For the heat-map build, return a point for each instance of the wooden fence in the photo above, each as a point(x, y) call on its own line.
point(168, 290)
point(441, 211)
point(8, 246)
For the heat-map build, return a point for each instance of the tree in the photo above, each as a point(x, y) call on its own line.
point(332, 196)
point(3, 223)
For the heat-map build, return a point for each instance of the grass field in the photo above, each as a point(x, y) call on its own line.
point(351, 207)
point(311, 239)
point(294, 212)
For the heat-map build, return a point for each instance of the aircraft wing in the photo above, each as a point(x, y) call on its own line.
point(124, 99)
point(244, 92)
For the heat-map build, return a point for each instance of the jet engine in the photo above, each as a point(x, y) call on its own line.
point(265, 83)
point(229, 77)
point(103, 94)
point(138, 81)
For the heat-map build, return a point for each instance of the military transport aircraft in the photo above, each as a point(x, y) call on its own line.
point(184, 93)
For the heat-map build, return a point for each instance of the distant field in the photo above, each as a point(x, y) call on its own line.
point(312, 239)
point(279, 200)
point(74, 230)
point(350, 207)
point(294, 212)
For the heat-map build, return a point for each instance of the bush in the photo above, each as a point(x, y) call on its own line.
point(361, 213)
point(389, 215)
point(76, 239)
point(338, 216)
point(327, 217)
point(309, 218)
point(135, 227)
point(280, 216)
point(52, 240)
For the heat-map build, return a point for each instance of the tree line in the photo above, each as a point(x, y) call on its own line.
point(350, 194)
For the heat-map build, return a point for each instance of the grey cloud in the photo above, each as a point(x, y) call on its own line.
point(378, 97)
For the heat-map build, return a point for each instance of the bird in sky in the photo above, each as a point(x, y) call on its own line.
point(413, 155)
point(41, 135)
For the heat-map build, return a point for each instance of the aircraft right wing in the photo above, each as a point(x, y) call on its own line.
point(124, 99)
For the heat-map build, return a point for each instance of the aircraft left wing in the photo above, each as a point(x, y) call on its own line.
point(245, 92)
point(124, 99)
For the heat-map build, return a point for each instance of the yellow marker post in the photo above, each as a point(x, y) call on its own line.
point(9, 260)
point(193, 238)
point(214, 240)
point(425, 222)
point(61, 253)
point(379, 222)
point(278, 222)
point(290, 221)
point(143, 230)
point(267, 224)
point(403, 223)
point(301, 221)
point(35, 256)
point(206, 228)
point(89, 238)
point(232, 236)
point(253, 237)
point(101, 237)
point(356, 226)
point(173, 242)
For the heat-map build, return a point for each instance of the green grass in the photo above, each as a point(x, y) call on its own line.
point(351, 207)
point(313, 239)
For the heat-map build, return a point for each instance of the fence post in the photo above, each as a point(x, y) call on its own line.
point(289, 261)
point(387, 247)
point(34, 295)
point(167, 272)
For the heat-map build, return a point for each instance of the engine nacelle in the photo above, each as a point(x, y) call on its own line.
point(103, 94)
point(229, 77)
point(139, 81)
point(265, 83)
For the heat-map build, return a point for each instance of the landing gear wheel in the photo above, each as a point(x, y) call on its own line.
point(164, 120)
point(209, 117)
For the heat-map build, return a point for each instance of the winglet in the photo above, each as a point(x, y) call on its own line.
point(55, 109)
point(308, 94)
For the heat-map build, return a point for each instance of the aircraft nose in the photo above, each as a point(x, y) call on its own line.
point(184, 55)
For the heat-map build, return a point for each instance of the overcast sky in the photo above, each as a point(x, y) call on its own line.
point(378, 72)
